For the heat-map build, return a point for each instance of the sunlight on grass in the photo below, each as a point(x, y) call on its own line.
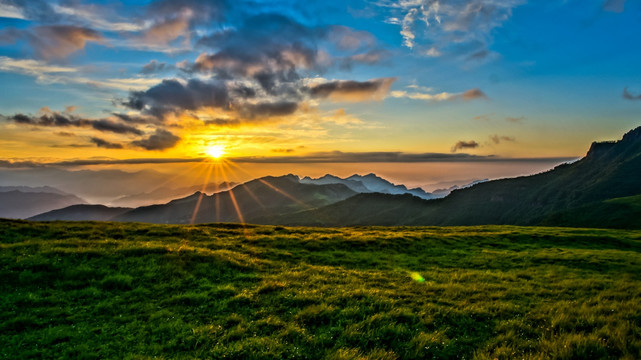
point(113, 290)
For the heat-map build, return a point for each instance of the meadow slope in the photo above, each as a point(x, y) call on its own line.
point(120, 290)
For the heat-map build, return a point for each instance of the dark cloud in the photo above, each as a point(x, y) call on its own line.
point(267, 49)
point(223, 122)
point(153, 67)
point(376, 157)
point(243, 91)
point(32, 164)
point(53, 41)
point(497, 139)
point(629, 96)
point(460, 145)
point(272, 50)
point(268, 109)
point(160, 140)
point(112, 126)
point(105, 144)
point(55, 119)
point(70, 146)
point(135, 119)
point(375, 89)
point(173, 96)
point(283, 150)
point(325, 157)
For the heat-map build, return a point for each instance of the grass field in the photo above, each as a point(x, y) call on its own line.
point(136, 291)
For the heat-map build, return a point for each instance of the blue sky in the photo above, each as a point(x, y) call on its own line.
point(288, 80)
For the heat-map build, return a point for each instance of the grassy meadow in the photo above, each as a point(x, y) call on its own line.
point(92, 290)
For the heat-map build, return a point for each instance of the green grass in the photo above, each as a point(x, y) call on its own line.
point(136, 291)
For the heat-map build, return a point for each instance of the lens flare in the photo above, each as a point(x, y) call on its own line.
point(417, 277)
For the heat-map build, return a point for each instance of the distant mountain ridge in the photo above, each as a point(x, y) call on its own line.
point(165, 194)
point(610, 170)
point(81, 213)
point(246, 202)
point(603, 189)
point(370, 183)
point(20, 202)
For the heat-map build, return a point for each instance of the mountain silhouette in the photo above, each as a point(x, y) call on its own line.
point(267, 196)
point(605, 182)
point(20, 202)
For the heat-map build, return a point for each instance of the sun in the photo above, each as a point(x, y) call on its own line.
point(215, 151)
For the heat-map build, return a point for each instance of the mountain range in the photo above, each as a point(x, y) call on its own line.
point(19, 202)
point(603, 189)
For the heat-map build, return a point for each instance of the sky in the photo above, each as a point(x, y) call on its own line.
point(469, 88)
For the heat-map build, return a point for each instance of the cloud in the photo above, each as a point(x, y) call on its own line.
point(135, 119)
point(162, 33)
point(485, 117)
point(43, 72)
point(467, 95)
point(513, 119)
point(322, 157)
point(473, 94)
point(160, 140)
point(272, 49)
point(37, 10)
point(629, 96)
point(378, 157)
point(616, 6)
point(86, 162)
point(105, 144)
point(53, 41)
point(267, 109)
point(436, 26)
point(95, 16)
point(349, 90)
point(48, 74)
point(223, 122)
point(153, 66)
point(115, 127)
point(265, 47)
point(11, 11)
point(56, 119)
point(347, 38)
point(460, 145)
point(497, 139)
point(201, 11)
point(173, 96)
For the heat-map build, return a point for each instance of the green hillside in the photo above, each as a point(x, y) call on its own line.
point(134, 291)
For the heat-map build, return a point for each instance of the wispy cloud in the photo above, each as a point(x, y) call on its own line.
point(467, 95)
point(46, 73)
point(53, 41)
point(497, 139)
point(629, 96)
point(375, 89)
point(460, 145)
point(437, 26)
